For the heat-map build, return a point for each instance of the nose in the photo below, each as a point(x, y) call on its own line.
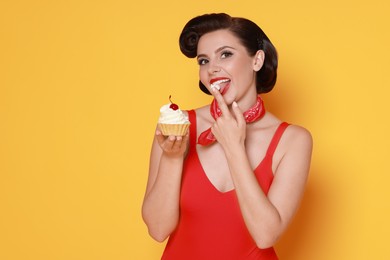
point(214, 68)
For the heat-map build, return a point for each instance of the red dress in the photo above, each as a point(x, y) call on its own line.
point(211, 226)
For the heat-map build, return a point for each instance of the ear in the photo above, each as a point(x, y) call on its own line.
point(258, 60)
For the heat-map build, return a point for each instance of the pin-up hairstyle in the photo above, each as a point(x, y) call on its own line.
point(250, 35)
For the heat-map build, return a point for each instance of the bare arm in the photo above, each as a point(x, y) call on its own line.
point(266, 217)
point(160, 209)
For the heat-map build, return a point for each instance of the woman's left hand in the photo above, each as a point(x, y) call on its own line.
point(230, 128)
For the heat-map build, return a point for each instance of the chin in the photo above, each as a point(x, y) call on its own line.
point(229, 100)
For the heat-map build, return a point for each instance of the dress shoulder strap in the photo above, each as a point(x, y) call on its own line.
point(192, 119)
point(276, 138)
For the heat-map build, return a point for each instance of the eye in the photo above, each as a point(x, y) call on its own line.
point(202, 61)
point(226, 54)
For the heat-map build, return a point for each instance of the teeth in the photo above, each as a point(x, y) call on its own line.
point(216, 83)
point(220, 81)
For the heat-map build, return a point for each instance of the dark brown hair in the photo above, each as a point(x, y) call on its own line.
point(250, 35)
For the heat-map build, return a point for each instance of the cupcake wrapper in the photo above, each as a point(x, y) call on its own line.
point(173, 129)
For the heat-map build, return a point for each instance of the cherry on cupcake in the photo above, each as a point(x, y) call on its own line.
point(173, 105)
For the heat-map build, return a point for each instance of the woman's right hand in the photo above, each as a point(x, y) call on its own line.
point(172, 146)
point(160, 209)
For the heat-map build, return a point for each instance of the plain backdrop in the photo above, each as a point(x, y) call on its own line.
point(81, 84)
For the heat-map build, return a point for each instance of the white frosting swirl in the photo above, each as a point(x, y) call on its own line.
point(170, 116)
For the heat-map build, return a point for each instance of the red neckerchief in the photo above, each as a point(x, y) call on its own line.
point(251, 115)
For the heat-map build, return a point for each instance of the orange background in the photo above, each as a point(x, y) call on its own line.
point(81, 83)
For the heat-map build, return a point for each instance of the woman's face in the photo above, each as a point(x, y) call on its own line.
point(223, 59)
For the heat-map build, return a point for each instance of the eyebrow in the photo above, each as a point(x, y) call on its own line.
point(216, 51)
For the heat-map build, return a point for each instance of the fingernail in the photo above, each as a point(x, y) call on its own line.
point(235, 104)
point(216, 87)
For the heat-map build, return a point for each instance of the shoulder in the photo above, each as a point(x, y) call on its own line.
point(296, 134)
point(203, 111)
point(203, 114)
point(296, 141)
point(203, 117)
point(293, 154)
point(200, 111)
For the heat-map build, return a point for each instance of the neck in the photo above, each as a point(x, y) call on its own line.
point(246, 103)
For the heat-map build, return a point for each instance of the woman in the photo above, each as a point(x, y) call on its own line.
point(230, 187)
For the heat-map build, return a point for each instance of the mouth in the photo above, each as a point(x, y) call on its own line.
point(220, 84)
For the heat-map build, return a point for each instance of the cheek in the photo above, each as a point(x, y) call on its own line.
point(203, 76)
point(246, 70)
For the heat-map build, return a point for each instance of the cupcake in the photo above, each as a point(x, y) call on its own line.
point(172, 120)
